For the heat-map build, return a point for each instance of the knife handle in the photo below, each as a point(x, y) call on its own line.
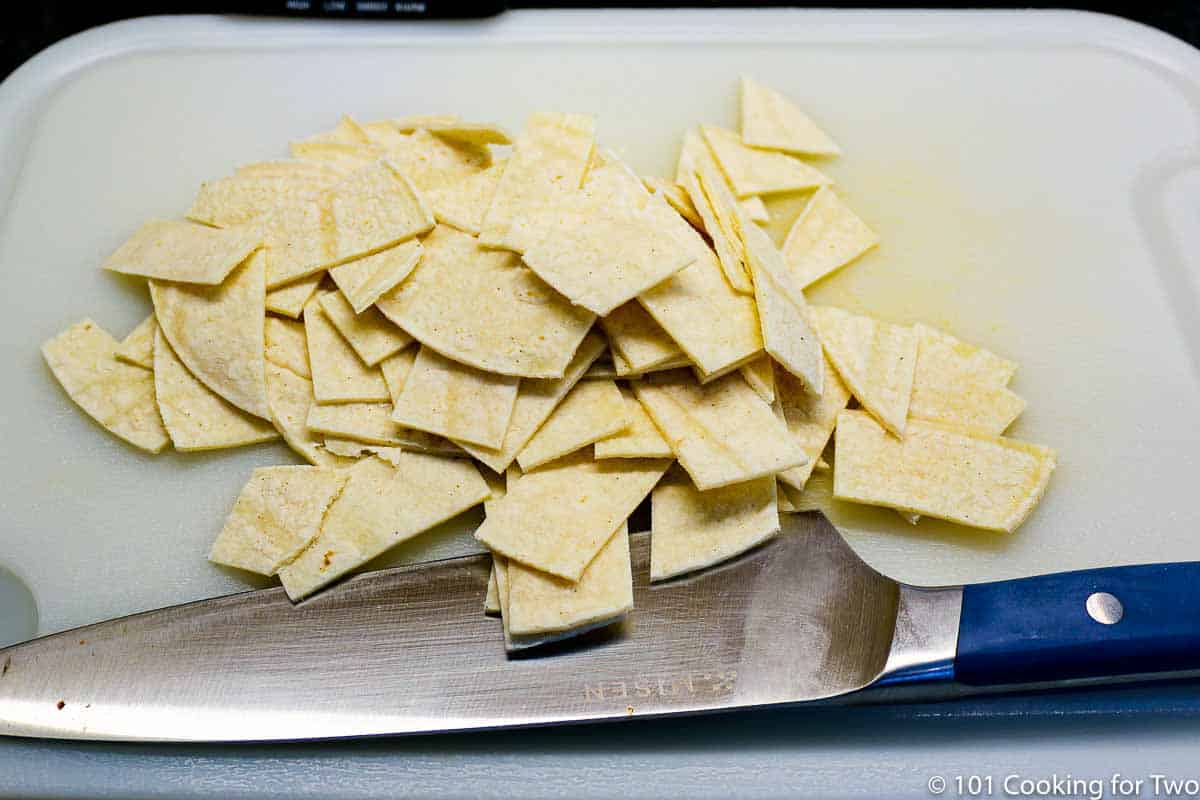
point(1074, 625)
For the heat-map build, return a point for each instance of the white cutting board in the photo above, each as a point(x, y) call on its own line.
point(1035, 180)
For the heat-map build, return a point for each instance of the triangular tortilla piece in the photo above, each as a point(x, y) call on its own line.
point(721, 432)
point(456, 401)
point(173, 250)
point(550, 157)
point(557, 518)
point(217, 332)
point(641, 342)
point(430, 161)
point(640, 440)
point(760, 375)
point(701, 178)
point(364, 280)
point(825, 237)
point(877, 360)
point(290, 396)
point(287, 345)
point(372, 335)
point(291, 299)
point(753, 172)
point(755, 210)
point(677, 197)
point(782, 310)
point(338, 375)
point(543, 604)
point(117, 395)
point(138, 347)
point(370, 423)
point(809, 417)
point(771, 121)
point(962, 385)
point(987, 482)
point(622, 369)
point(691, 529)
point(381, 506)
point(536, 400)
point(194, 416)
point(464, 203)
point(483, 308)
point(277, 514)
point(592, 411)
point(491, 600)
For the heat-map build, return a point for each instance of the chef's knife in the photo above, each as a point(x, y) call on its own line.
point(408, 650)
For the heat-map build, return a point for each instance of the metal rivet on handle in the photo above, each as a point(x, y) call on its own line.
point(1104, 608)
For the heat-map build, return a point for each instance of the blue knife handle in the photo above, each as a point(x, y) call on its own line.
point(1040, 629)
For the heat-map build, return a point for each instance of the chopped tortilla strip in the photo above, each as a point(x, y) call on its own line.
point(138, 347)
point(622, 369)
point(498, 484)
point(290, 396)
point(677, 198)
point(431, 161)
point(300, 240)
point(721, 432)
point(640, 440)
point(782, 310)
point(557, 518)
point(500, 570)
point(184, 251)
point(350, 449)
point(291, 299)
point(364, 280)
point(338, 375)
point(705, 185)
point(464, 203)
point(817, 494)
point(877, 360)
point(691, 529)
point(760, 374)
point(483, 308)
point(195, 417)
point(470, 132)
point(755, 210)
point(714, 325)
point(395, 373)
point(785, 504)
point(456, 401)
point(345, 156)
point(592, 411)
point(381, 506)
point(825, 237)
point(771, 121)
point(277, 514)
point(752, 172)
point(414, 122)
point(539, 603)
point(536, 400)
point(370, 423)
point(962, 385)
point(987, 482)
point(287, 345)
point(370, 333)
point(218, 332)
point(119, 396)
point(491, 601)
point(549, 159)
point(810, 417)
point(244, 198)
point(396, 368)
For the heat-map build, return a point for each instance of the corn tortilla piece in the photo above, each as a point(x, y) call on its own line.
point(592, 411)
point(184, 251)
point(396, 368)
point(557, 518)
point(347, 131)
point(430, 161)
point(782, 310)
point(290, 396)
point(218, 332)
point(825, 237)
point(540, 604)
point(316, 172)
point(364, 280)
point(338, 375)
point(958, 384)
point(987, 482)
point(721, 432)
point(245, 198)
point(760, 375)
point(195, 417)
point(413, 122)
point(810, 418)
point(345, 156)
point(701, 178)
point(463, 404)
point(691, 529)
point(117, 395)
point(351, 449)
point(755, 172)
point(372, 335)
point(549, 158)
point(755, 210)
point(536, 400)
point(138, 347)
point(287, 345)
point(500, 570)
point(464, 203)
point(370, 423)
point(475, 133)
point(677, 198)
point(876, 360)
point(291, 299)
point(817, 494)
point(641, 342)
point(277, 514)
point(395, 373)
point(771, 121)
point(484, 309)
point(381, 506)
point(601, 370)
point(491, 600)
point(640, 440)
